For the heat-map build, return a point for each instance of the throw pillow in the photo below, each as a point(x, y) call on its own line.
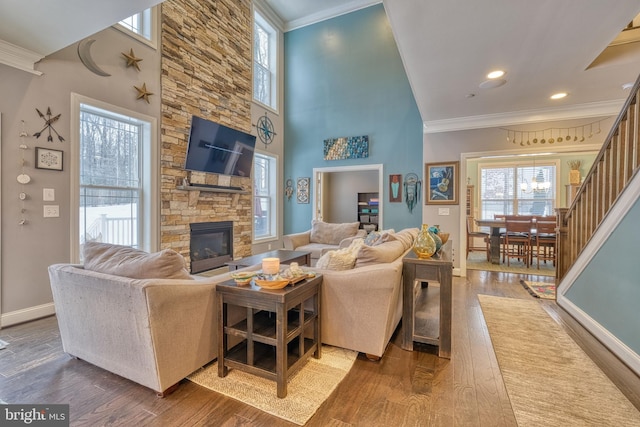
point(340, 259)
point(406, 236)
point(383, 253)
point(377, 237)
point(126, 261)
point(331, 234)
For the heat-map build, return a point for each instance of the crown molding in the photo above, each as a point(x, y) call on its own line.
point(580, 111)
point(323, 15)
point(18, 57)
point(267, 12)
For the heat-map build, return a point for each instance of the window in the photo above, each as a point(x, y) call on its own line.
point(518, 189)
point(265, 207)
point(141, 26)
point(114, 177)
point(264, 61)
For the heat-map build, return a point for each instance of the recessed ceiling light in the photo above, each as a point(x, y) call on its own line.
point(495, 74)
point(558, 95)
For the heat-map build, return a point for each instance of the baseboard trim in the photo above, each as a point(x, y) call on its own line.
point(27, 314)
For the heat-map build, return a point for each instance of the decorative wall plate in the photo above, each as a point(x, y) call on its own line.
point(23, 178)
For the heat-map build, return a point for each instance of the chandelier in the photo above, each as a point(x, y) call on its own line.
point(538, 184)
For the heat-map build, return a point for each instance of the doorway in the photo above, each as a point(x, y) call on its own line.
point(337, 206)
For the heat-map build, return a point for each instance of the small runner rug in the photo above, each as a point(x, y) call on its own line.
point(540, 289)
point(306, 390)
point(549, 379)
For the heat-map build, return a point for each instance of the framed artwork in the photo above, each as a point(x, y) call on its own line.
point(351, 147)
point(302, 190)
point(47, 158)
point(442, 183)
point(395, 188)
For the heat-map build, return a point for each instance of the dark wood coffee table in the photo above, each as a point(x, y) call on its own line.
point(286, 257)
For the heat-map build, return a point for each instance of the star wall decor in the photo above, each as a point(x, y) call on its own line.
point(143, 93)
point(132, 60)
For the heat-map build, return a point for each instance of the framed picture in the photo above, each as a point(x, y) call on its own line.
point(302, 190)
point(47, 158)
point(395, 188)
point(442, 183)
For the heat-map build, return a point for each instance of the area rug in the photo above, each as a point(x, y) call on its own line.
point(549, 379)
point(306, 390)
point(478, 261)
point(540, 289)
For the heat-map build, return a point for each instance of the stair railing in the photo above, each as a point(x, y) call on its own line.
point(616, 163)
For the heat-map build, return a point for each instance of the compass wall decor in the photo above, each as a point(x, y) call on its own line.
point(265, 129)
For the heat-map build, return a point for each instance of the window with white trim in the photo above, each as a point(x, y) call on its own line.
point(141, 26)
point(265, 206)
point(517, 189)
point(265, 42)
point(115, 181)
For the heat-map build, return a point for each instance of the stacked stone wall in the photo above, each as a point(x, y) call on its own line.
point(206, 71)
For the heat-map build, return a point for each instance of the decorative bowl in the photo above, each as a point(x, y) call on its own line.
point(444, 237)
point(271, 284)
point(243, 277)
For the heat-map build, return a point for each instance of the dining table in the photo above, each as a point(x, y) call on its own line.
point(495, 226)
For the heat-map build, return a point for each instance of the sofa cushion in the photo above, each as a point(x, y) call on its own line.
point(316, 249)
point(332, 234)
point(340, 259)
point(126, 261)
point(382, 253)
point(407, 236)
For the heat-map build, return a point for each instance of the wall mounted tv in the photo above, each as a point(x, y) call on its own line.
point(215, 148)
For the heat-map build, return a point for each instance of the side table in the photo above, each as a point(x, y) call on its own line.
point(435, 269)
point(279, 333)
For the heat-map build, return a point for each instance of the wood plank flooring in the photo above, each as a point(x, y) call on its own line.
point(402, 389)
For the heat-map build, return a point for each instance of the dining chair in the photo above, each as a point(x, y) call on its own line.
point(518, 239)
point(473, 234)
point(545, 239)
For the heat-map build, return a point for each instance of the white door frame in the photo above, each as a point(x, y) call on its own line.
point(318, 191)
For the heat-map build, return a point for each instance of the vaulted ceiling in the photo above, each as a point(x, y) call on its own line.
point(447, 46)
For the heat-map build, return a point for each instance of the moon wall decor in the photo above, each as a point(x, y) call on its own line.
point(84, 52)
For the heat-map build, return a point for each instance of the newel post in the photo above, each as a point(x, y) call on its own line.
point(562, 244)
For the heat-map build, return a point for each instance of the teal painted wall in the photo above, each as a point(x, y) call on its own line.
point(609, 287)
point(344, 77)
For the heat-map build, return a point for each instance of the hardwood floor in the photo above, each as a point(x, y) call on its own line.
point(402, 389)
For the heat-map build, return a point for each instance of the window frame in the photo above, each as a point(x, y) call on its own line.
point(149, 210)
point(151, 16)
point(516, 165)
point(260, 19)
point(272, 195)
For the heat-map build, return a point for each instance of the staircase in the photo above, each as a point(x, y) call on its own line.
point(616, 164)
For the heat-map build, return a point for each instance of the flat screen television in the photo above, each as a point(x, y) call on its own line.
point(215, 148)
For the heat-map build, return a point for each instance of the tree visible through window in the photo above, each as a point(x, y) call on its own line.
point(264, 204)
point(264, 61)
point(110, 181)
point(517, 189)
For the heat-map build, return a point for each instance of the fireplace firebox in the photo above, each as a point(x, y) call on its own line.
point(211, 245)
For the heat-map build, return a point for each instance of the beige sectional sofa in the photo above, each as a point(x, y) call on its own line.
point(143, 317)
point(362, 306)
point(323, 237)
point(154, 331)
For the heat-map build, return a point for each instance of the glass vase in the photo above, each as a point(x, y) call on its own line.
point(434, 230)
point(425, 245)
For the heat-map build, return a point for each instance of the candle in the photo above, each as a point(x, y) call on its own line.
point(271, 265)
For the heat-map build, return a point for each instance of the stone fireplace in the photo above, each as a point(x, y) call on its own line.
point(211, 245)
point(210, 78)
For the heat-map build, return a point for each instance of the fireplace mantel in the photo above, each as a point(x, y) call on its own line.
point(212, 189)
